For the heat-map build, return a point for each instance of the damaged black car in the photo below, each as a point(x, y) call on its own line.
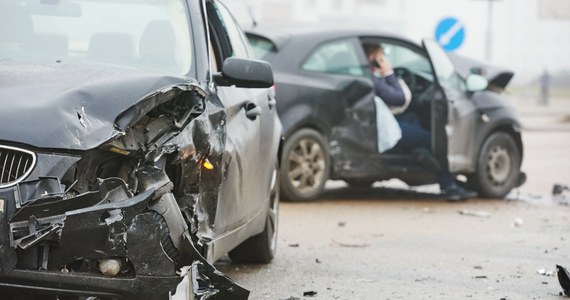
point(138, 145)
point(326, 104)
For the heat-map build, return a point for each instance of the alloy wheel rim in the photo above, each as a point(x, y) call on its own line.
point(306, 165)
point(498, 165)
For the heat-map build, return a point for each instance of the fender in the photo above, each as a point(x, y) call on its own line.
point(496, 114)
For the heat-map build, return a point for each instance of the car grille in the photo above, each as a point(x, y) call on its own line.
point(15, 165)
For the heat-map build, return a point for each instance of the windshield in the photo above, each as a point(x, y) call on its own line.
point(144, 34)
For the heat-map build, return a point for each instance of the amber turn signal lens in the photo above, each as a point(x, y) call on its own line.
point(207, 165)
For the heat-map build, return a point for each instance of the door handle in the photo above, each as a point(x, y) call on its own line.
point(271, 102)
point(252, 111)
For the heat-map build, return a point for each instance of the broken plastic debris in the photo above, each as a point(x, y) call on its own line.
point(564, 279)
point(474, 213)
point(351, 245)
point(558, 189)
point(309, 293)
point(545, 272)
point(183, 288)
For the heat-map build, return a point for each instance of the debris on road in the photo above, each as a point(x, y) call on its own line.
point(480, 277)
point(364, 280)
point(564, 279)
point(364, 245)
point(317, 260)
point(545, 272)
point(518, 222)
point(558, 189)
point(309, 293)
point(341, 224)
point(559, 195)
point(474, 213)
point(296, 245)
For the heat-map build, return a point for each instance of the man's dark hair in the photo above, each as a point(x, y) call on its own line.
point(371, 47)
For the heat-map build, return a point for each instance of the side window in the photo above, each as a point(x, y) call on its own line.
point(337, 57)
point(239, 43)
point(400, 56)
point(444, 68)
point(261, 46)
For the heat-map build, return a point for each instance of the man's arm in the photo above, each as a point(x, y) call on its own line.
point(388, 88)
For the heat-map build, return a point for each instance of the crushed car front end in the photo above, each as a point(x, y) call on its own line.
point(105, 222)
point(103, 189)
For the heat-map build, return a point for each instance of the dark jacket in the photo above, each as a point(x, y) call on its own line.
point(388, 89)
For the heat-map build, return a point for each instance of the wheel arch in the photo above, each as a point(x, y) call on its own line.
point(306, 124)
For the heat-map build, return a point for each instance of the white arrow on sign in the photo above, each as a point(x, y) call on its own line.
point(445, 38)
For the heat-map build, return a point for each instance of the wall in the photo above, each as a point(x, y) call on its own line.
point(528, 36)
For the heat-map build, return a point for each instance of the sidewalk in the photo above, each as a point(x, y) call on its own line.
point(546, 138)
point(537, 117)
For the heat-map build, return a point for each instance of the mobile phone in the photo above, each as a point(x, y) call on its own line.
point(375, 63)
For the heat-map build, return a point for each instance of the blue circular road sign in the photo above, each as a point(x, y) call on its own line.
point(450, 34)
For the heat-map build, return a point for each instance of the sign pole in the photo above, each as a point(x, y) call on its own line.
point(489, 33)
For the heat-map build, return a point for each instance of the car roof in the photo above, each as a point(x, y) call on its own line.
point(280, 34)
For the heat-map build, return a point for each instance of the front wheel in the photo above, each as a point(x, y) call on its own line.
point(498, 166)
point(304, 166)
point(261, 248)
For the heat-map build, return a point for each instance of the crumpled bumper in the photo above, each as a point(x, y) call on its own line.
point(54, 245)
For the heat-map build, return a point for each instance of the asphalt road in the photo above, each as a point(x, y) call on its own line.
point(390, 242)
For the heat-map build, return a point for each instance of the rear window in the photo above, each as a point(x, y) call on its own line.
point(261, 46)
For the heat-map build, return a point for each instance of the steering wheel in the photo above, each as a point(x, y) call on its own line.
point(407, 76)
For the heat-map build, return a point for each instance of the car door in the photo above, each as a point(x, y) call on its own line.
point(454, 115)
point(346, 97)
point(246, 171)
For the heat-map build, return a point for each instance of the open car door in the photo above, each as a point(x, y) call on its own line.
point(453, 114)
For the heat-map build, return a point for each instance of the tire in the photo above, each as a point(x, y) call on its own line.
point(165, 239)
point(261, 248)
point(305, 166)
point(498, 166)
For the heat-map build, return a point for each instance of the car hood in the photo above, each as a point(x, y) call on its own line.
point(497, 76)
point(69, 106)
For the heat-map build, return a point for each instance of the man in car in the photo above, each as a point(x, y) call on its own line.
point(414, 137)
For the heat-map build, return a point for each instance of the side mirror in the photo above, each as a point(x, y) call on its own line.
point(247, 73)
point(476, 83)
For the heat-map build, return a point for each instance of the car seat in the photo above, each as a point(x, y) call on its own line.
point(52, 44)
point(17, 28)
point(157, 46)
point(111, 47)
